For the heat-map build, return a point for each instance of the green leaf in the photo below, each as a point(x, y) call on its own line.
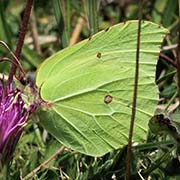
point(90, 87)
point(31, 56)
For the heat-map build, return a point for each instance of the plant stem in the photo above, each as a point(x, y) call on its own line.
point(171, 101)
point(21, 38)
point(178, 54)
point(59, 8)
point(4, 172)
point(154, 165)
point(34, 31)
point(93, 16)
point(133, 114)
point(29, 176)
point(168, 59)
point(68, 18)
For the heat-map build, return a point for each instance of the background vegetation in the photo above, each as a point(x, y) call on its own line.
point(55, 25)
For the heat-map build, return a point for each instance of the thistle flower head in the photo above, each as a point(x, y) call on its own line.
point(13, 115)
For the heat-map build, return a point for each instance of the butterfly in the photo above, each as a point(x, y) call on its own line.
point(90, 88)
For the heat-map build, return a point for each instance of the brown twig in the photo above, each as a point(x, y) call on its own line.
point(168, 59)
point(77, 31)
point(169, 47)
point(133, 114)
point(22, 33)
point(169, 43)
point(15, 61)
point(29, 176)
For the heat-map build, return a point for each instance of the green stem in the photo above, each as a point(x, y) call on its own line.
point(178, 54)
point(60, 22)
point(171, 100)
point(4, 174)
point(68, 18)
point(154, 166)
point(93, 16)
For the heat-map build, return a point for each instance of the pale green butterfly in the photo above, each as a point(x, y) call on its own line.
point(90, 88)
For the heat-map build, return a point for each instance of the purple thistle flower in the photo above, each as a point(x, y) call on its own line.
point(13, 115)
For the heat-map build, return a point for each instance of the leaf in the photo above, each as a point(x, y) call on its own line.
point(90, 87)
point(31, 56)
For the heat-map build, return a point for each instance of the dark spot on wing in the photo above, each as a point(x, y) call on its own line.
point(108, 99)
point(98, 55)
point(90, 38)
